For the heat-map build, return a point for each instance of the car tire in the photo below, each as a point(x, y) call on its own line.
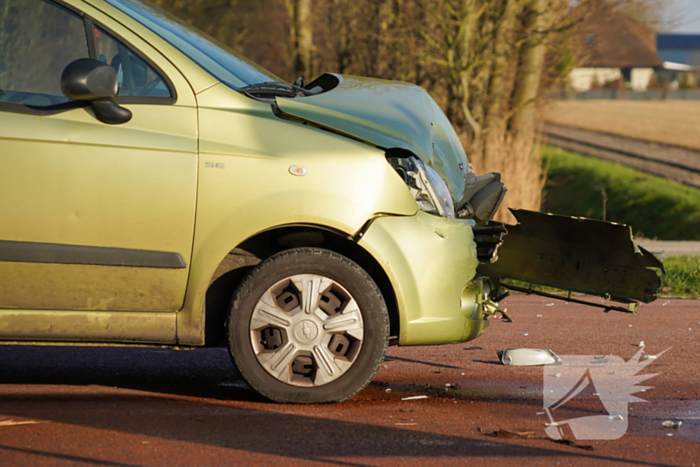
point(308, 325)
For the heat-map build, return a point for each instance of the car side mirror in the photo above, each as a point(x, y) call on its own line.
point(96, 82)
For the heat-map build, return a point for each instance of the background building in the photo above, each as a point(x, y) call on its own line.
point(616, 51)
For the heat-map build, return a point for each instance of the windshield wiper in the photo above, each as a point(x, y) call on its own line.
point(274, 88)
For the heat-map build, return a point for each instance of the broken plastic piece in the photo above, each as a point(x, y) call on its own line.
point(528, 357)
point(502, 433)
point(412, 398)
point(672, 424)
point(20, 422)
point(576, 254)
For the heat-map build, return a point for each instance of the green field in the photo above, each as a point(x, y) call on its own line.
point(655, 207)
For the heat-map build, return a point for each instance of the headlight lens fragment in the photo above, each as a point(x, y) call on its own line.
point(440, 193)
point(428, 188)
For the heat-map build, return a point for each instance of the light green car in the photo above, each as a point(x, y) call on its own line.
point(158, 189)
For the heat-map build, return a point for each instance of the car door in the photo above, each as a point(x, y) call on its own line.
point(92, 216)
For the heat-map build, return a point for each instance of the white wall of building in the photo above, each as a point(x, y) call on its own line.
point(582, 79)
point(640, 78)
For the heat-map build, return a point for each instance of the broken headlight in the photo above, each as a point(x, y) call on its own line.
point(428, 188)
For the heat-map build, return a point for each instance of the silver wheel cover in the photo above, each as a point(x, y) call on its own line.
point(306, 330)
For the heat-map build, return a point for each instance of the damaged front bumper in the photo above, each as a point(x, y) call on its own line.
point(577, 255)
point(448, 275)
point(431, 262)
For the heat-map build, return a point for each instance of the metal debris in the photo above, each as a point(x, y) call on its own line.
point(528, 357)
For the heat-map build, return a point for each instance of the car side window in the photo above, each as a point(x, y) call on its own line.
point(38, 39)
point(134, 75)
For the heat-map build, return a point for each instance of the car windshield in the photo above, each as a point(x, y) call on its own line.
point(223, 63)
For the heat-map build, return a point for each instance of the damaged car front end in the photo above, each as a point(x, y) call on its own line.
point(451, 263)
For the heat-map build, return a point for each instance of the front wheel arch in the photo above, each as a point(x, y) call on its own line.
point(257, 248)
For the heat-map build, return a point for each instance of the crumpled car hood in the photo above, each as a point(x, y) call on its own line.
point(388, 114)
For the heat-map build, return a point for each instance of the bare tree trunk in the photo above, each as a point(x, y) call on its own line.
point(497, 85)
point(458, 55)
point(301, 32)
point(527, 86)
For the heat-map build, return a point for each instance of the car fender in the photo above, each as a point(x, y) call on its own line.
point(258, 172)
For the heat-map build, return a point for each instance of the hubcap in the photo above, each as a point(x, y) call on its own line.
point(306, 330)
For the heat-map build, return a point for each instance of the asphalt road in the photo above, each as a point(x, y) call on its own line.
point(130, 406)
point(671, 248)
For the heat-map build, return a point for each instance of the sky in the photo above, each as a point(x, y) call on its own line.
point(684, 15)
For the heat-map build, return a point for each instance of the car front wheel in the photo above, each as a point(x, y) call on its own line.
point(308, 326)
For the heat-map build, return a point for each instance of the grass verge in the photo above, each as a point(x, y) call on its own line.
point(584, 186)
point(682, 277)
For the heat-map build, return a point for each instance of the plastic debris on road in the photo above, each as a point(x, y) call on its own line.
point(502, 433)
point(528, 357)
point(672, 424)
point(413, 398)
point(20, 422)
